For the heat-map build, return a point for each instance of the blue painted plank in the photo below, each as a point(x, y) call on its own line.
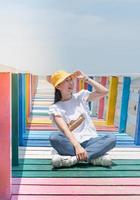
point(40, 107)
point(124, 104)
point(22, 124)
point(137, 131)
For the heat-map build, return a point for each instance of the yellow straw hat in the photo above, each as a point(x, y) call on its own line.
point(59, 77)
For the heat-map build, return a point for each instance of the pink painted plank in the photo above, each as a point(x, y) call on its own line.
point(43, 127)
point(75, 190)
point(102, 100)
point(5, 130)
point(39, 197)
point(76, 181)
point(77, 85)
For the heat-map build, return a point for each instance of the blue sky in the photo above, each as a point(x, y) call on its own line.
point(96, 36)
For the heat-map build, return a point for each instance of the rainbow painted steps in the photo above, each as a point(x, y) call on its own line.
point(42, 168)
point(73, 189)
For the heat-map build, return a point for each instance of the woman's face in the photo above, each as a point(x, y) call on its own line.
point(66, 86)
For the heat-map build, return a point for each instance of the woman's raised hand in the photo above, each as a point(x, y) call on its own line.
point(80, 75)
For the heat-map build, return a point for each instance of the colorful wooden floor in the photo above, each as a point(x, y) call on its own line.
point(76, 189)
point(35, 178)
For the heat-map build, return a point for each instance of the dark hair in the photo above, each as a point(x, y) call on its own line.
point(57, 95)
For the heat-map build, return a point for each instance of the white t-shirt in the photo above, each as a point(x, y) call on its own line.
point(71, 110)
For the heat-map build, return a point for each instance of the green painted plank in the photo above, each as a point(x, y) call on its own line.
point(82, 167)
point(48, 161)
point(15, 118)
point(80, 174)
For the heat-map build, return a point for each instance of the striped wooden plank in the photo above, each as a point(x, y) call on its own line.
point(23, 148)
point(22, 116)
point(102, 100)
point(75, 181)
point(50, 127)
point(109, 182)
point(43, 156)
point(40, 107)
point(44, 161)
point(131, 155)
point(76, 190)
point(81, 167)
point(71, 197)
point(42, 168)
point(76, 174)
point(124, 104)
point(137, 129)
point(15, 118)
point(5, 135)
point(27, 94)
point(112, 100)
point(42, 103)
point(46, 143)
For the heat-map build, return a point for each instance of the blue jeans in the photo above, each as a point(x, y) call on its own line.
point(95, 147)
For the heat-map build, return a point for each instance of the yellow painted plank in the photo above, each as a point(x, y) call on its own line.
point(112, 98)
point(81, 84)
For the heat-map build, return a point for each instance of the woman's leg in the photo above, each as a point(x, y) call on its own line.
point(97, 147)
point(65, 149)
point(61, 144)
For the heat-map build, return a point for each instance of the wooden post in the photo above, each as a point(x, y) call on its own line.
point(137, 130)
point(112, 100)
point(124, 104)
point(21, 109)
point(15, 118)
point(77, 85)
point(81, 84)
point(24, 100)
point(33, 86)
point(89, 88)
point(102, 100)
point(27, 94)
point(86, 86)
point(5, 136)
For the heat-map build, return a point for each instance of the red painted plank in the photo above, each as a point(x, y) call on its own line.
point(39, 197)
point(77, 181)
point(5, 130)
point(75, 190)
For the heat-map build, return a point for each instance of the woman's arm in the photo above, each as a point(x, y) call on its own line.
point(100, 90)
point(80, 151)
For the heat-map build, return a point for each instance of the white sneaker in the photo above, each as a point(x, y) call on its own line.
point(104, 160)
point(63, 161)
point(54, 152)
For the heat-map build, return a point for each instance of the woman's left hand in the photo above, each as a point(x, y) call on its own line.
point(80, 75)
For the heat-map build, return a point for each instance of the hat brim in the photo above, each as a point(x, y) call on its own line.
point(62, 79)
